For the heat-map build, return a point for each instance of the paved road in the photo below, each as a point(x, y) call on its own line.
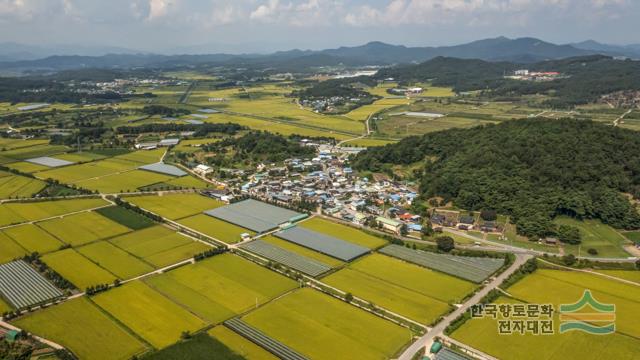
point(438, 329)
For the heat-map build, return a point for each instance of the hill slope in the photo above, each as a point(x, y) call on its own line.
point(532, 169)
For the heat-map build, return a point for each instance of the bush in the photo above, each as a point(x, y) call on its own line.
point(445, 243)
point(569, 259)
point(489, 215)
point(592, 251)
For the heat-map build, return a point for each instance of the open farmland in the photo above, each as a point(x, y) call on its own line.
point(175, 206)
point(240, 345)
point(9, 249)
point(410, 290)
point(149, 314)
point(83, 328)
point(290, 259)
point(126, 217)
point(302, 251)
point(24, 287)
point(82, 228)
point(332, 329)
point(595, 235)
point(13, 213)
point(215, 228)
point(221, 287)
point(26, 167)
point(322, 243)
point(159, 245)
point(79, 270)
point(275, 347)
point(75, 173)
point(562, 287)
point(123, 182)
point(18, 186)
point(199, 347)
point(33, 238)
point(115, 260)
point(343, 232)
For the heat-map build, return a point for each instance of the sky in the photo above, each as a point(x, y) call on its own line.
point(236, 26)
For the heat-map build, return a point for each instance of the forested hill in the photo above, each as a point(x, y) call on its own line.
point(532, 169)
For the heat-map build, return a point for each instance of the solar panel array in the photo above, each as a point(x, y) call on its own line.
point(164, 169)
point(475, 269)
point(256, 336)
point(23, 286)
point(323, 243)
point(295, 261)
point(253, 215)
point(49, 161)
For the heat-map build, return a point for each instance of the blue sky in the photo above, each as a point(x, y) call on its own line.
point(265, 25)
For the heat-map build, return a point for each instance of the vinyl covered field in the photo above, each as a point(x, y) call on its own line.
point(82, 228)
point(84, 329)
point(149, 314)
point(115, 260)
point(175, 206)
point(76, 268)
point(563, 287)
point(215, 228)
point(33, 238)
point(322, 327)
point(344, 232)
point(221, 287)
point(159, 245)
point(240, 345)
point(289, 246)
point(410, 290)
point(11, 213)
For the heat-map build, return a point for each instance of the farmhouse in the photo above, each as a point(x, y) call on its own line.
point(390, 224)
point(202, 169)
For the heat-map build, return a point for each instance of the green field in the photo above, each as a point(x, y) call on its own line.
point(26, 167)
point(11, 213)
point(344, 232)
point(631, 275)
point(149, 314)
point(322, 327)
point(9, 249)
point(83, 228)
point(33, 238)
point(199, 347)
point(126, 217)
point(159, 245)
point(633, 236)
point(115, 260)
point(595, 235)
point(215, 228)
point(83, 328)
point(4, 306)
point(240, 345)
point(79, 270)
point(188, 182)
point(563, 287)
point(90, 170)
point(123, 182)
point(15, 186)
point(289, 246)
point(219, 288)
point(175, 206)
point(410, 290)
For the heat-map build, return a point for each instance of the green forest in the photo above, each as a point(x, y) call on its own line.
point(530, 169)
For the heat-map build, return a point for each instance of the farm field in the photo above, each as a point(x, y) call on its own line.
point(175, 206)
point(631, 275)
point(159, 245)
point(332, 329)
point(218, 288)
point(86, 330)
point(149, 314)
point(218, 229)
point(410, 290)
point(633, 236)
point(300, 250)
point(4, 307)
point(19, 186)
point(76, 268)
point(344, 232)
point(240, 345)
point(33, 238)
point(368, 142)
point(12, 213)
point(23, 153)
point(80, 157)
point(187, 182)
point(563, 287)
point(115, 260)
point(123, 182)
point(9, 249)
point(199, 347)
point(595, 235)
point(83, 228)
point(126, 217)
point(26, 167)
point(76, 173)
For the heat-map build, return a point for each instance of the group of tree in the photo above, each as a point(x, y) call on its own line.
point(164, 110)
point(346, 88)
point(530, 169)
point(260, 146)
point(200, 130)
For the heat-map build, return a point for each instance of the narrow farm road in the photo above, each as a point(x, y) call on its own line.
point(427, 339)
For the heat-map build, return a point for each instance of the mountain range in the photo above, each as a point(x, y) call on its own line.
point(17, 58)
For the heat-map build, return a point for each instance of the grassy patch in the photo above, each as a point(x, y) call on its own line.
point(595, 235)
point(126, 217)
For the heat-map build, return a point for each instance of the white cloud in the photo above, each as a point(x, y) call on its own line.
point(158, 8)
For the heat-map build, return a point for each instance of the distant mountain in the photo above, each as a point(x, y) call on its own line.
point(632, 51)
point(522, 50)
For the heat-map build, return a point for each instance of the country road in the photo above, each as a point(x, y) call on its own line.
point(438, 329)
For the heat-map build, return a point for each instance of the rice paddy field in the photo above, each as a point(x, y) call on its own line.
point(124, 182)
point(595, 235)
point(221, 287)
point(83, 228)
point(14, 213)
point(563, 287)
point(16, 186)
point(85, 329)
point(240, 345)
point(33, 238)
point(175, 206)
point(321, 327)
point(215, 228)
point(26, 167)
point(76, 268)
point(9, 249)
point(344, 232)
point(4, 306)
point(149, 314)
point(115, 260)
point(410, 290)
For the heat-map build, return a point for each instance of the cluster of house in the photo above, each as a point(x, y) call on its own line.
point(328, 104)
point(407, 91)
point(454, 219)
point(526, 75)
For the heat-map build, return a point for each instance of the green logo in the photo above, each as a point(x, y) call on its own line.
point(572, 318)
